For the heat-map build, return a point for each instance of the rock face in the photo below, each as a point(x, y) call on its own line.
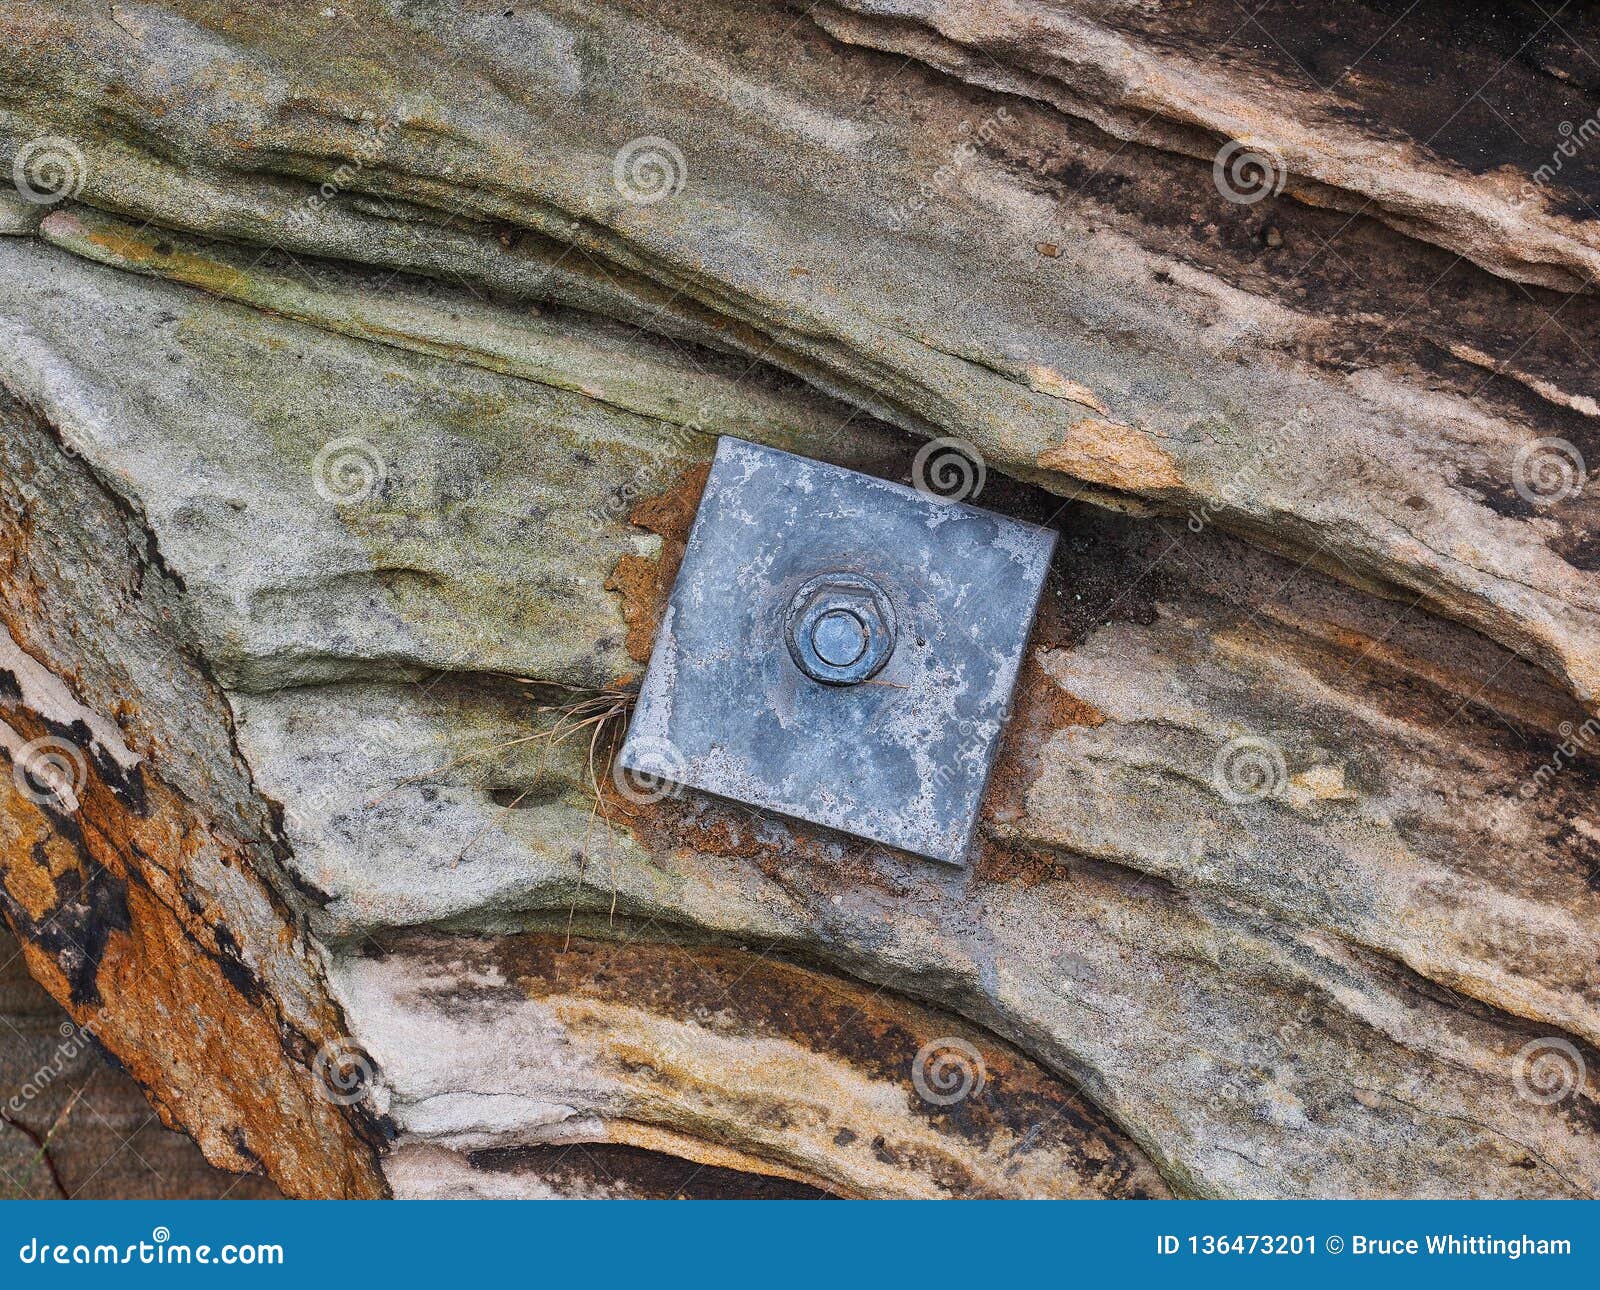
point(72, 1126)
point(358, 375)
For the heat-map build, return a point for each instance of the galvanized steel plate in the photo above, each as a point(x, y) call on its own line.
point(840, 649)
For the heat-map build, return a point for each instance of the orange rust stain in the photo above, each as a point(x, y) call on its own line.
point(637, 579)
point(33, 887)
point(109, 900)
point(1049, 705)
point(1114, 455)
point(999, 860)
point(1041, 708)
point(790, 852)
point(96, 897)
point(643, 583)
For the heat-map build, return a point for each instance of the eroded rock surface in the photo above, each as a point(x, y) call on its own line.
point(355, 409)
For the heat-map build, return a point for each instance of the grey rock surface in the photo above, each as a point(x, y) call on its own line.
point(387, 349)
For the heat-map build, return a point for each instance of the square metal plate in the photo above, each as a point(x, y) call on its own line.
point(797, 570)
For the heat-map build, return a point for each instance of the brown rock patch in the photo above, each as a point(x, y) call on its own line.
point(643, 583)
point(1114, 455)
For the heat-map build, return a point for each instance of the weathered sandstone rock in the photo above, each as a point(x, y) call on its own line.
point(353, 411)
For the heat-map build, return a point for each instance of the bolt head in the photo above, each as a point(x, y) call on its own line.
point(840, 628)
point(839, 637)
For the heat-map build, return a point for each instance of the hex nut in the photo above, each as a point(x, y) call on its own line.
point(840, 628)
